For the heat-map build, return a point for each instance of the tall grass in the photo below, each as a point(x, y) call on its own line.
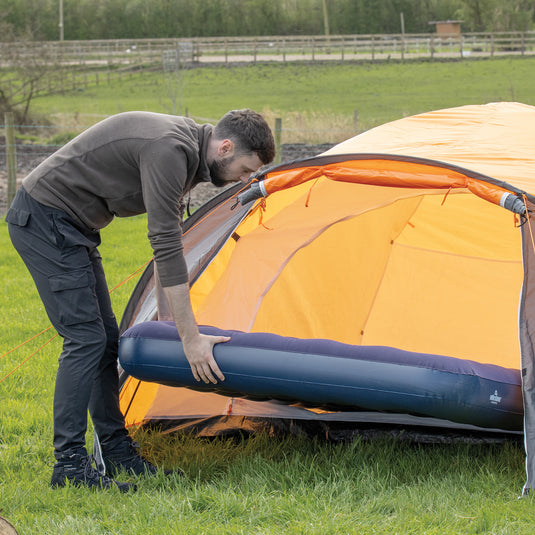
point(260, 485)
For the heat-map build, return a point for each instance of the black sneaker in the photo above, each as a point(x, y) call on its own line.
point(126, 455)
point(78, 470)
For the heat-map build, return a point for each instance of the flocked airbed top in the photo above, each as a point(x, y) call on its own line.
point(329, 374)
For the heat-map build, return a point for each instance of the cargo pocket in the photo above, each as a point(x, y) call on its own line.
point(74, 295)
point(18, 217)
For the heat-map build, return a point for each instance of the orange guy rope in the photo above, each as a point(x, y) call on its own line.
point(127, 279)
point(26, 360)
point(29, 340)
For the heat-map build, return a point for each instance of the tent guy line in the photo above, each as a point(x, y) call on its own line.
point(22, 344)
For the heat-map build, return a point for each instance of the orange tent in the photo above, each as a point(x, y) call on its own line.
point(397, 237)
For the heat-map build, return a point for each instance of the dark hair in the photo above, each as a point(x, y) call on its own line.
point(250, 133)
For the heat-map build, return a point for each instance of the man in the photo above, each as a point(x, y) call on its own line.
point(128, 164)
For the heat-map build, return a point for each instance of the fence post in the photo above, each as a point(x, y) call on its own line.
point(11, 158)
point(278, 135)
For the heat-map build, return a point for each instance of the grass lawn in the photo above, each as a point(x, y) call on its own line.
point(261, 485)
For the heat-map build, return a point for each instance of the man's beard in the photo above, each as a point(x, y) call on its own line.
point(218, 172)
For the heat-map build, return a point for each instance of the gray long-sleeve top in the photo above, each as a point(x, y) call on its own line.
point(128, 164)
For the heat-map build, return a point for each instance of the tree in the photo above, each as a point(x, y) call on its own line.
point(24, 66)
point(133, 19)
point(497, 15)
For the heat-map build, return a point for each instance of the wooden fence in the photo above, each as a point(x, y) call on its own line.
point(132, 52)
point(76, 64)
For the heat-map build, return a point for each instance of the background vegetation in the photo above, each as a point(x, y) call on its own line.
point(113, 19)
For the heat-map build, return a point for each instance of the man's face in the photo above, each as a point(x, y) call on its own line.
point(224, 170)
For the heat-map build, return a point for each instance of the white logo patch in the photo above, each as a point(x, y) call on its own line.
point(494, 398)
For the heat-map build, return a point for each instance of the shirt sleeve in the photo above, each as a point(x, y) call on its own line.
point(164, 167)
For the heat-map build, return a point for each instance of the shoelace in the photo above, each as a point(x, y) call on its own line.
point(90, 472)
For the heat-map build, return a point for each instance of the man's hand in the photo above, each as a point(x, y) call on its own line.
point(198, 347)
point(199, 353)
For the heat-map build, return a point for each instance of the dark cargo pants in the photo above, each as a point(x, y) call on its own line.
point(66, 266)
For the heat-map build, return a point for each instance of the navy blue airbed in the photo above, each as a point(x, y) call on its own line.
point(331, 375)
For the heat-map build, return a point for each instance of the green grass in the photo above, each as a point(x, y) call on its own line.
point(318, 98)
point(261, 485)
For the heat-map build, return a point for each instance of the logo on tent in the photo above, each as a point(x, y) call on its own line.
point(494, 398)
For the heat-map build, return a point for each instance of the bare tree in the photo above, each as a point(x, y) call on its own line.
point(25, 66)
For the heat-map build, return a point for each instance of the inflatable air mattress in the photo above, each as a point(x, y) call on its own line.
point(332, 375)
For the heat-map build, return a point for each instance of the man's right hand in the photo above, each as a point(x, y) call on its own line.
point(200, 355)
point(198, 348)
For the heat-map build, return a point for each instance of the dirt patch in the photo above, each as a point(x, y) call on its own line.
point(29, 156)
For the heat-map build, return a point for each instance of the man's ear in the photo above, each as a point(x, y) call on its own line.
point(225, 148)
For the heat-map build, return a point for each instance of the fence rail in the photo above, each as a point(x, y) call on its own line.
point(131, 52)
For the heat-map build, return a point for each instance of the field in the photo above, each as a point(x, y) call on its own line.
point(317, 102)
point(260, 485)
